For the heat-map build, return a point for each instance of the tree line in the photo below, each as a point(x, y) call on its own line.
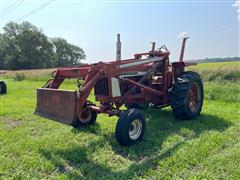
point(218, 59)
point(24, 46)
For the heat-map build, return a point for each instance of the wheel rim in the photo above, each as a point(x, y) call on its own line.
point(193, 100)
point(85, 115)
point(135, 129)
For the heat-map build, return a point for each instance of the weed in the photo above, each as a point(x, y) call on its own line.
point(19, 77)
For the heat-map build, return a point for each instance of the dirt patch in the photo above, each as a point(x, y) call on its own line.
point(11, 123)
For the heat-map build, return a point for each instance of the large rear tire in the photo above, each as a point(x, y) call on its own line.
point(130, 127)
point(3, 87)
point(187, 96)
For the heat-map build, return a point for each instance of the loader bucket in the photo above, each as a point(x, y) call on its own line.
point(57, 105)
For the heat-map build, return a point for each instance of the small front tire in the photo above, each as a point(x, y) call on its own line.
point(86, 116)
point(130, 127)
point(137, 105)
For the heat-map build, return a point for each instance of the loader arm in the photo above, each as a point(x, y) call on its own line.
point(67, 73)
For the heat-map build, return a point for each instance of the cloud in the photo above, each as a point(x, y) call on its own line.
point(237, 6)
point(183, 35)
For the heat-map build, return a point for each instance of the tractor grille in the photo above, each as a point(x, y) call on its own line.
point(101, 87)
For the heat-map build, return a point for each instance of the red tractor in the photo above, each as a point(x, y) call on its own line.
point(146, 80)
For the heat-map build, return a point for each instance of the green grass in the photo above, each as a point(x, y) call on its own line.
point(34, 74)
point(207, 147)
point(218, 71)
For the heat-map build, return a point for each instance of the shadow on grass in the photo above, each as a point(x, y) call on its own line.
point(146, 154)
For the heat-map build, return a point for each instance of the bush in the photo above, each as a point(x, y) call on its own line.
point(19, 77)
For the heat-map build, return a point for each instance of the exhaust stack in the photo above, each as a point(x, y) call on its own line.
point(183, 49)
point(118, 48)
point(153, 46)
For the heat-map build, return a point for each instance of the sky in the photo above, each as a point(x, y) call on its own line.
point(213, 26)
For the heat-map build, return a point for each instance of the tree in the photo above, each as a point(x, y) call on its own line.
point(26, 47)
point(66, 53)
point(1, 51)
point(77, 54)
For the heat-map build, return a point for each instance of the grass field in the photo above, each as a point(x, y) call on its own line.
point(207, 147)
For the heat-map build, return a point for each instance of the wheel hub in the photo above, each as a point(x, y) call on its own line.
point(135, 129)
point(85, 115)
point(193, 100)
